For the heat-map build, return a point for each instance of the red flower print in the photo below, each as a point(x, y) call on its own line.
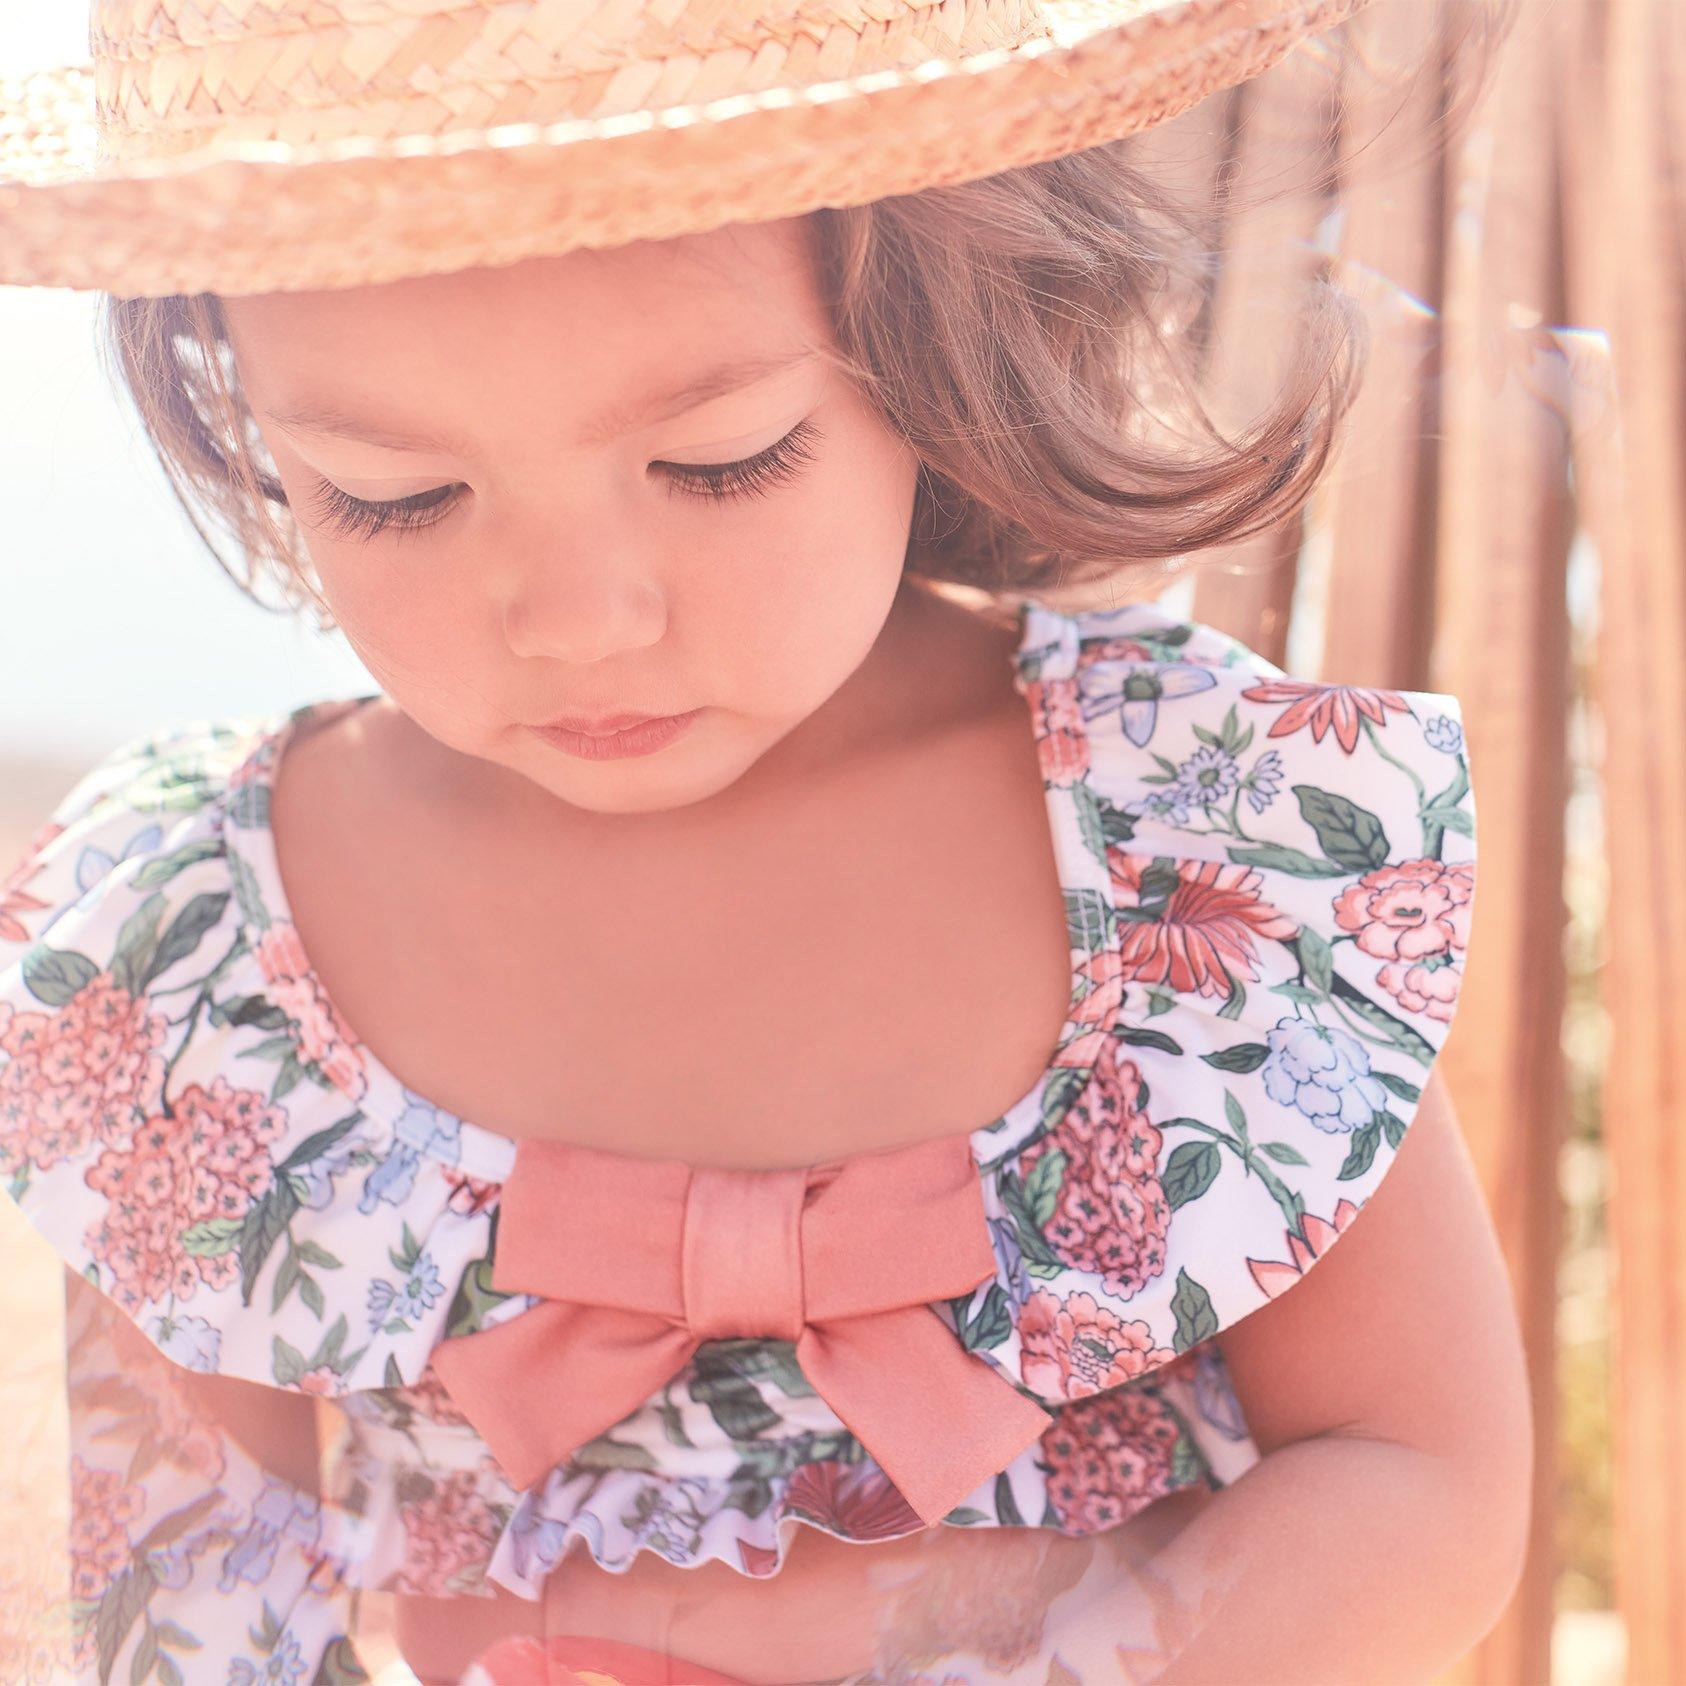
point(83, 1074)
point(1323, 706)
point(325, 1039)
point(1076, 1347)
point(1207, 931)
point(1416, 916)
point(206, 1159)
point(1274, 1277)
point(1110, 1215)
point(14, 899)
point(1107, 1457)
point(857, 1500)
point(1056, 716)
point(449, 1532)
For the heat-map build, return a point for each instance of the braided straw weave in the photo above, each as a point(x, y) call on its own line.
point(244, 146)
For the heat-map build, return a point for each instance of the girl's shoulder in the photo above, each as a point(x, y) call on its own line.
point(182, 1117)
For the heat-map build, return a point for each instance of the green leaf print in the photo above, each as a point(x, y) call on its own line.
point(249, 806)
point(1196, 1320)
point(1351, 835)
point(212, 1237)
point(1278, 857)
point(287, 1362)
point(1244, 1056)
point(1362, 1151)
point(1315, 958)
point(1086, 921)
point(265, 1222)
point(182, 938)
point(992, 1324)
point(1138, 1038)
point(1189, 1172)
point(1087, 805)
point(137, 937)
point(1006, 1507)
point(53, 975)
point(1404, 1090)
point(164, 867)
point(1283, 1153)
point(1401, 1035)
point(1042, 1187)
point(119, 1607)
point(1393, 1127)
point(731, 1398)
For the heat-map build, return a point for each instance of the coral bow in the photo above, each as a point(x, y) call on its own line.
point(638, 1261)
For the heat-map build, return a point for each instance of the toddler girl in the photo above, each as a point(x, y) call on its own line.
point(780, 1102)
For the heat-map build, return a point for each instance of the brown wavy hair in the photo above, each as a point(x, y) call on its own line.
point(1040, 336)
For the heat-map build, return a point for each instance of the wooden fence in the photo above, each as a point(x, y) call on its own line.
point(1524, 393)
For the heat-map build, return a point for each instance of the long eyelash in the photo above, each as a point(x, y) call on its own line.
point(358, 519)
point(753, 476)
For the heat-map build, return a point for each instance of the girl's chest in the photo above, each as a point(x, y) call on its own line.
point(880, 961)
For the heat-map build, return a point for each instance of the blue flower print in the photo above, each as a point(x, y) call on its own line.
point(280, 1511)
point(1444, 733)
point(191, 1341)
point(1207, 776)
point(94, 865)
point(395, 1307)
point(313, 1181)
point(1264, 781)
point(1009, 1258)
point(283, 1664)
point(1145, 686)
point(421, 1128)
point(1323, 1072)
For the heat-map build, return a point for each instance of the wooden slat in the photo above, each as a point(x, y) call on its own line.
point(1448, 523)
point(1624, 140)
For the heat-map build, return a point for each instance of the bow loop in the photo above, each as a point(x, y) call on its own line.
point(638, 1261)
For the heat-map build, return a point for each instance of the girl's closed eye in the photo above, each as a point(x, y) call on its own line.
point(753, 476)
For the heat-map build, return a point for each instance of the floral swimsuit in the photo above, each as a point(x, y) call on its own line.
point(533, 1349)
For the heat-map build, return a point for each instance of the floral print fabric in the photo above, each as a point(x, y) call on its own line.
point(1269, 885)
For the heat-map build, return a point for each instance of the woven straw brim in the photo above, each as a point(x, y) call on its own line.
point(258, 216)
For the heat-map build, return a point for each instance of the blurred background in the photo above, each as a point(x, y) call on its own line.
point(1504, 521)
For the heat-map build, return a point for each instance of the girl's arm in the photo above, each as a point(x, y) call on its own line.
point(1382, 1533)
point(199, 1547)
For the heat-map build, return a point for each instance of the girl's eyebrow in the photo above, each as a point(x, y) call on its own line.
point(712, 382)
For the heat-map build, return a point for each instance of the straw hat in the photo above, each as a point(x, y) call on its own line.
point(243, 146)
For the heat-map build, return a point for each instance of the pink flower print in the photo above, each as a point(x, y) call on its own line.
point(1057, 723)
point(1107, 1457)
point(1205, 932)
point(195, 1170)
point(102, 1506)
point(1415, 915)
point(1074, 1347)
point(1110, 1215)
point(1323, 706)
point(1275, 1277)
point(449, 1533)
point(84, 1074)
point(469, 1195)
point(325, 1039)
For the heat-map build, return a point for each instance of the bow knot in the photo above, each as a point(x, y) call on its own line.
point(638, 1261)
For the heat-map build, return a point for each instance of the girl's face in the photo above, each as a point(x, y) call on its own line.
point(514, 486)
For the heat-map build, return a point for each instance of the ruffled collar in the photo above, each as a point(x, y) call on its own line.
point(1048, 646)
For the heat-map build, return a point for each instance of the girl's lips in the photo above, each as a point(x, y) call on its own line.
point(641, 739)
